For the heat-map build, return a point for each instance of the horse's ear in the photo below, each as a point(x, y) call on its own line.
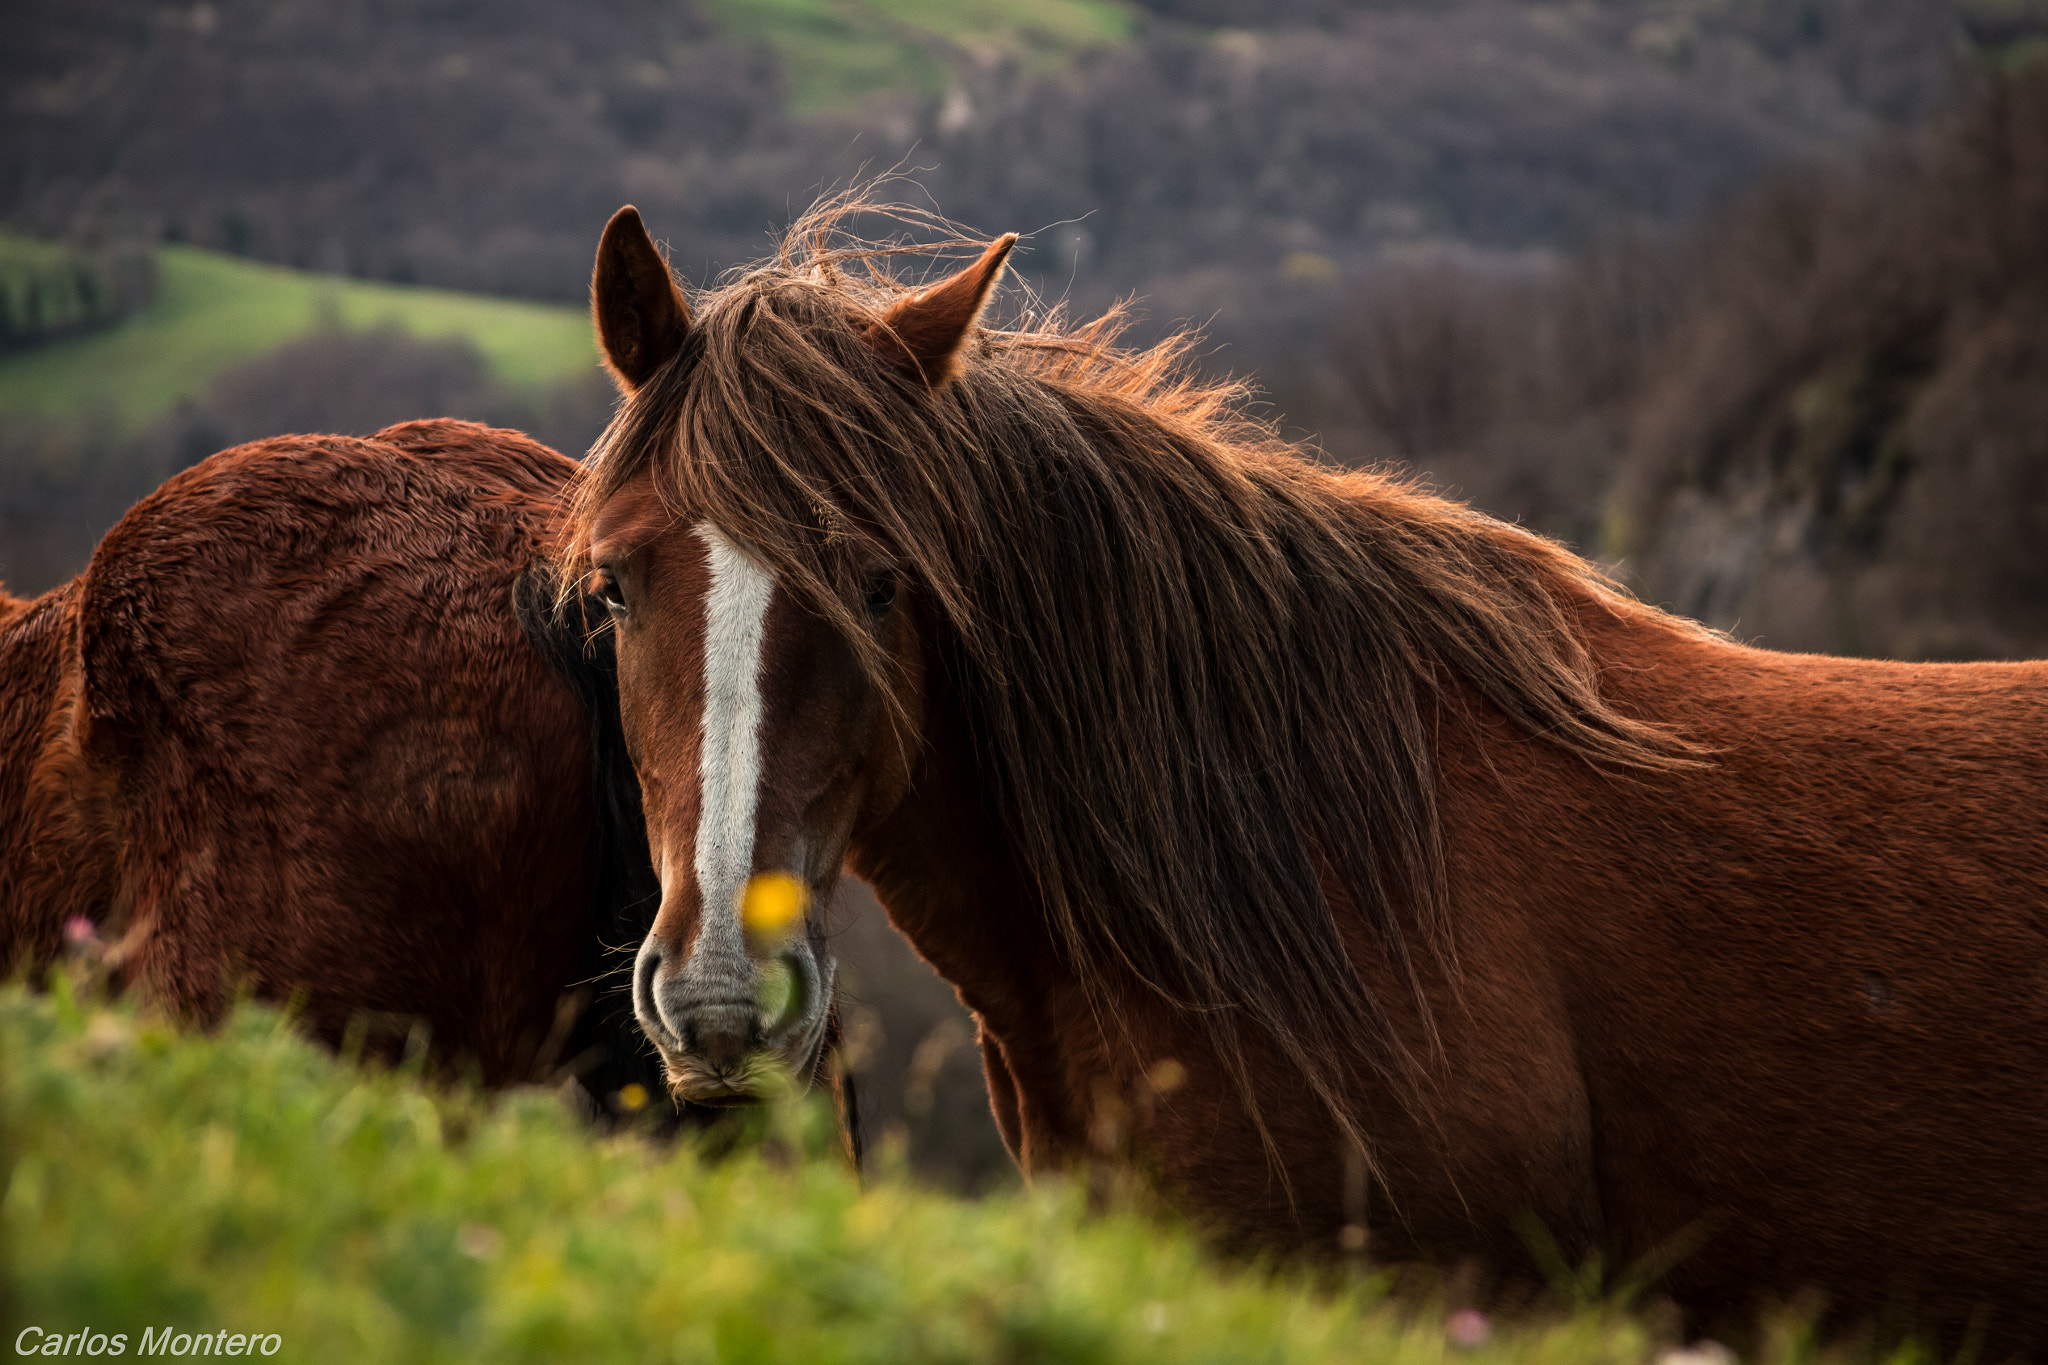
point(922, 333)
point(640, 313)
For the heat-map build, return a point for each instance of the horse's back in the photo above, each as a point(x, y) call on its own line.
point(342, 767)
point(1808, 982)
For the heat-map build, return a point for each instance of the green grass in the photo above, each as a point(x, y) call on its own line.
point(837, 52)
point(212, 310)
point(251, 1183)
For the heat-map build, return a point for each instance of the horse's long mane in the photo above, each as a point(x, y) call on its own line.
point(1194, 661)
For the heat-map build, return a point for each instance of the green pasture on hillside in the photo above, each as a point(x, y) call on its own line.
point(837, 51)
point(212, 311)
point(250, 1183)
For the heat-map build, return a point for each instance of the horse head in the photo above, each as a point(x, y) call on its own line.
point(735, 967)
point(721, 665)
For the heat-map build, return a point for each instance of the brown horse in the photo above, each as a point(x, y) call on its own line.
point(286, 733)
point(1351, 862)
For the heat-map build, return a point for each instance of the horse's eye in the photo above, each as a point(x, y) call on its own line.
point(881, 594)
point(605, 588)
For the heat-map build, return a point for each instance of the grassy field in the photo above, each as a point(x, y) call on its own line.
point(250, 1183)
point(836, 52)
point(211, 311)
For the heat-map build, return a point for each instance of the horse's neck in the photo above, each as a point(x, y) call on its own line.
point(942, 870)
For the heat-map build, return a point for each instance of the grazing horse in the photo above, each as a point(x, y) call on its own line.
point(1366, 872)
point(286, 733)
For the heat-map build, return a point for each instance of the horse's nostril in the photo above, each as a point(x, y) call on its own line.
point(646, 998)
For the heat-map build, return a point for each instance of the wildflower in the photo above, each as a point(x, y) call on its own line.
point(771, 904)
point(1699, 1353)
point(1468, 1328)
point(480, 1241)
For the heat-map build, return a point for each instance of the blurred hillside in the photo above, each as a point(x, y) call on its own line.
point(479, 144)
point(1844, 448)
point(1818, 418)
point(133, 357)
point(1233, 162)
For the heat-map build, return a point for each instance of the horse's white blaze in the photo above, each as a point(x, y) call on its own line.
point(735, 620)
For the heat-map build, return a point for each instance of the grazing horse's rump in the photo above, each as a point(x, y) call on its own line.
point(286, 733)
point(1369, 872)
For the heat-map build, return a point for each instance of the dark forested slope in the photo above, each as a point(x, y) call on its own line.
point(480, 143)
point(458, 143)
point(1818, 417)
point(1845, 446)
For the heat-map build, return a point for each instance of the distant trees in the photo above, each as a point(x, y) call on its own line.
point(50, 290)
point(480, 146)
point(1819, 418)
point(473, 145)
point(1475, 124)
point(1845, 446)
point(1509, 381)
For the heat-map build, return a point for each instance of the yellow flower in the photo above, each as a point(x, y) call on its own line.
point(772, 903)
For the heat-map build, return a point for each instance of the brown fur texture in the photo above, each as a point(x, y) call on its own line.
point(1352, 861)
point(285, 734)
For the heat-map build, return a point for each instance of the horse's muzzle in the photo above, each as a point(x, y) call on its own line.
point(737, 1031)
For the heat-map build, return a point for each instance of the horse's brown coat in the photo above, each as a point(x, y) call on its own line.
point(1670, 944)
point(285, 732)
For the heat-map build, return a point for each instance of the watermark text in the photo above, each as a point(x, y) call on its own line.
point(168, 1341)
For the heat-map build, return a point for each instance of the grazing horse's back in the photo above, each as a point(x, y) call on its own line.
point(293, 703)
